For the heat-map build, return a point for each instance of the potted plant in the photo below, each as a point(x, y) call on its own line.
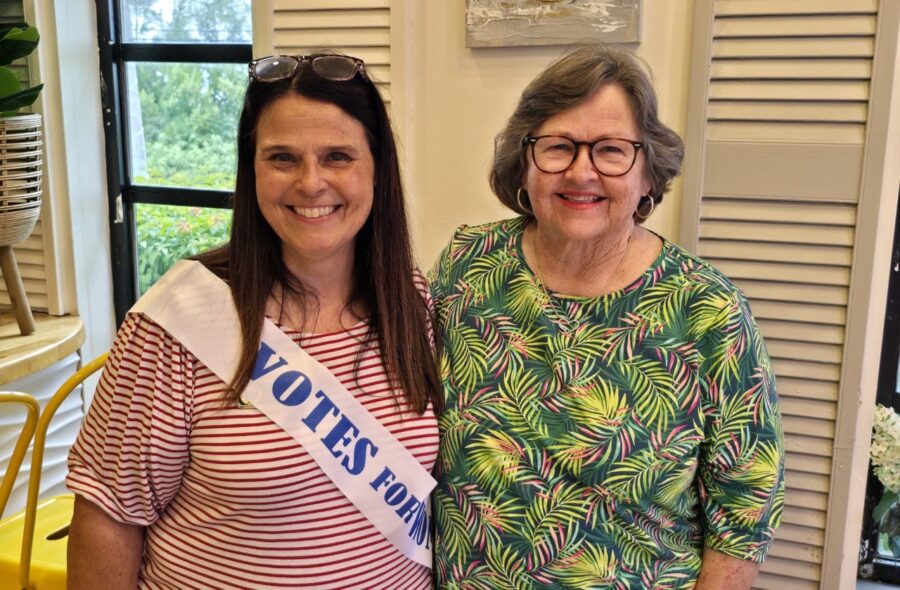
point(20, 163)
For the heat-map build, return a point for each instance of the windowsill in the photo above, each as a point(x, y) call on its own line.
point(55, 338)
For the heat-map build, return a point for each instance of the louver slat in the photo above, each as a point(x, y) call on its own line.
point(357, 27)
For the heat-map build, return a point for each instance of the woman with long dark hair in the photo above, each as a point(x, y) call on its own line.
point(261, 407)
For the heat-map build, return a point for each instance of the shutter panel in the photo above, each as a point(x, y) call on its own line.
point(778, 110)
point(30, 254)
point(357, 27)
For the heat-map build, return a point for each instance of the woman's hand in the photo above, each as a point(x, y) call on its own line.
point(103, 552)
point(720, 571)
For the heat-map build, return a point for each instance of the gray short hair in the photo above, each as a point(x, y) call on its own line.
point(563, 85)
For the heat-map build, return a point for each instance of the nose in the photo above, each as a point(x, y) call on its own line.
point(309, 179)
point(582, 168)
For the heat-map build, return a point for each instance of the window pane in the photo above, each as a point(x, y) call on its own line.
point(166, 234)
point(183, 123)
point(186, 21)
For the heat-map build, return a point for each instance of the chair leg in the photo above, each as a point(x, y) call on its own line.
point(16, 290)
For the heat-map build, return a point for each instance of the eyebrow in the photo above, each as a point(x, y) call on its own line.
point(328, 148)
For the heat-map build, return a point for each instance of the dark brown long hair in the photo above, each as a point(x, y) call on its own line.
point(252, 264)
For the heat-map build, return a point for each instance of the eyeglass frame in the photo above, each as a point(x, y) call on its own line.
point(300, 59)
point(530, 140)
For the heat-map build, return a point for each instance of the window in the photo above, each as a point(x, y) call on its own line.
point(174, 73)
point(878, 561)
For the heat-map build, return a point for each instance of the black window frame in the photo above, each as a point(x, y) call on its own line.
point(123, 195)
point(872, 566)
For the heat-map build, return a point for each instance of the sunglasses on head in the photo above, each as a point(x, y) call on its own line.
point(337, 68)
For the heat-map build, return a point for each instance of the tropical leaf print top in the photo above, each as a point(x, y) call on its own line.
point(608, 456)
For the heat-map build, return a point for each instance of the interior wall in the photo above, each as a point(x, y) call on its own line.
point(462, 97)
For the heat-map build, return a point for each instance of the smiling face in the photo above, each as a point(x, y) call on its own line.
point(581, 205)
point(315, 179)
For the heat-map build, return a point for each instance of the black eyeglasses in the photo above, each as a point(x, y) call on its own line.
point(337, 68)
point(611, 156)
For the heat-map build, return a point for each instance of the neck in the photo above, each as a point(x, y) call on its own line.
point(325, 306)
point(581, 269)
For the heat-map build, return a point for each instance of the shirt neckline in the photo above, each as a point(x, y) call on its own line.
point(515, 249)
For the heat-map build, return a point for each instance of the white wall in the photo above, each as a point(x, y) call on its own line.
point(460, 98)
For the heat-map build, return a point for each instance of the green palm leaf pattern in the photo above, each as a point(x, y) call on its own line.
point(607, 456)
point(454, 515)
point(526, 299)
point(596, 567)
point(468, 352)
point(651, 386)
point(506, 571)
point(489, 273)
point(497, 459)
point(548, 523)
point(604, 430)
point(632, 543)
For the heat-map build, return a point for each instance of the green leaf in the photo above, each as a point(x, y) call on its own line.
point(18, 42)
point(20, 99)
point(9, 82)
point(888, 499)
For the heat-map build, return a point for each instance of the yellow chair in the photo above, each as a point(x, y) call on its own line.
point(32, 409)
point(33, 542)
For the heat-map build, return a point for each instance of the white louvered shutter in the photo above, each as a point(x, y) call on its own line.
point(360, 28)
point(30, 254)
point(777, 121)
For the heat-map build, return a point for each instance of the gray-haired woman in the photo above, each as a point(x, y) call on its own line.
point(611, 416)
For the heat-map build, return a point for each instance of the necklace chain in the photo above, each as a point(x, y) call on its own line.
point(566, 324)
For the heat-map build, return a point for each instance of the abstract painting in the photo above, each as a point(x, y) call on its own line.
point(505, 23)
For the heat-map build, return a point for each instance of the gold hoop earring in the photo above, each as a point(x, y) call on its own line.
point(640, 214)
point(522, 205)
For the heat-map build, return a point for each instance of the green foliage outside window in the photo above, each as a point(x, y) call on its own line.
point(189, 117)
point(184, 125)
point(166, 234)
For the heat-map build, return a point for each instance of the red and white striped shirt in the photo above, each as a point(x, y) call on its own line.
point(228, 498)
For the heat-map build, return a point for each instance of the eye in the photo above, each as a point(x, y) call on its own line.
point(560, 146)
point(554, 146)
point(609, 149)
point(338, 159)
point(281, 157)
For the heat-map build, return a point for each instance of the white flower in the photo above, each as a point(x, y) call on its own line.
point(885, 449)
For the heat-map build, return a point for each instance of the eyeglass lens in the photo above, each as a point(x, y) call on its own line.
point(338, 68)
point(275, 68)
point(334, 67)
point(612, 157)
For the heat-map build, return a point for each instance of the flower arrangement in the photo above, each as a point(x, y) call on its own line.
point(885, 454)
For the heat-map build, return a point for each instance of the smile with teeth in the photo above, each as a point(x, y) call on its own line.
point(581, 198)
point(314, 212)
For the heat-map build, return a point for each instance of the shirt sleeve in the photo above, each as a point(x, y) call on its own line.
point(741, 478)
point(132, 449)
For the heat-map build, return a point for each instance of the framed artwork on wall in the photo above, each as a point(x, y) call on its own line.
point(502, 23)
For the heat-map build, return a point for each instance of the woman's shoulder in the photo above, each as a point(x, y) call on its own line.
point(471, 242)
point(491, 230)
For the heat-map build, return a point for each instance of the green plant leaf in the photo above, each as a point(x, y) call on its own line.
point(20, 99)
point(888, 499)
point(9, 82)
point(18, 42)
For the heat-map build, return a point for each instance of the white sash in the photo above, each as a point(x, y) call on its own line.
point(366, 462)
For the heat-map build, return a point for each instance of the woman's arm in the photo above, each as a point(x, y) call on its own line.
point(723, 571)
point(103, 552)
